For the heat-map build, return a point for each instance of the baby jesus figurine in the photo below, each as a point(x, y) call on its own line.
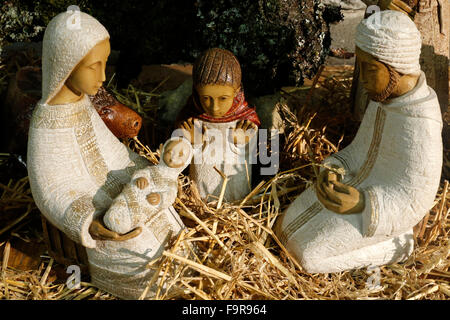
point(220, 125)
point(147, 198)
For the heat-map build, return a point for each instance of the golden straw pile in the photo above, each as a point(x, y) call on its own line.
point(229, 250)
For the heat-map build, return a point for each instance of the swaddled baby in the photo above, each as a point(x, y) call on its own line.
point(151, 190)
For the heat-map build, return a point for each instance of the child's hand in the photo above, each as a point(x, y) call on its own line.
point(141, 183)
point(243, 132)
point(154, 198)
point(192, 129)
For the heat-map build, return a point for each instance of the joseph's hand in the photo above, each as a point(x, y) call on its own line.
point(337, 196)
point(99, 232)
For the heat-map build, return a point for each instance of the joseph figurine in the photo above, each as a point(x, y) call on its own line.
point(392, 167)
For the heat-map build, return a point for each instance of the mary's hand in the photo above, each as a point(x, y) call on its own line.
point(98, 231)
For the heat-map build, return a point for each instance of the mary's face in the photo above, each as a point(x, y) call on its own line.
point(89, 74)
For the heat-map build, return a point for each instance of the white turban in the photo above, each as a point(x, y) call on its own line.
point(392, 38)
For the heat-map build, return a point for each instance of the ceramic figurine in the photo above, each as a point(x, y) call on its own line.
point(24, 91)
point(150, 191)
point(77, 167)
point(123, 122)
point(366, 216)
point(226, 126)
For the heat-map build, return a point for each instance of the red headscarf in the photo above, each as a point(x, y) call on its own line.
point(239, 111)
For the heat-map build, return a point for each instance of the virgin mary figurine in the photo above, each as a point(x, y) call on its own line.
point(77, 167)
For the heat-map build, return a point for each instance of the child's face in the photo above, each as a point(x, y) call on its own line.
point(216, 100)
point(176, 153)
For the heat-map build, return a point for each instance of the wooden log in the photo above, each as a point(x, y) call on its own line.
point(62, 249)
point(24, 255)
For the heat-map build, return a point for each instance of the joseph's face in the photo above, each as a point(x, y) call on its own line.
point(373, 74)
point(89, 74)
point(216, 100)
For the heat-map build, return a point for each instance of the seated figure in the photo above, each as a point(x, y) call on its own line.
point(77, 167)
point(220, 125)
point(365, 217)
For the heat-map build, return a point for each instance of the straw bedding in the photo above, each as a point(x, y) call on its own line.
point(238, 256)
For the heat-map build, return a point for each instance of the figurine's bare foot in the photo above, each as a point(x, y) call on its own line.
point(336, 196)
point(99, 232)
point(191, 129)
point(154, 198)
point(243, 132)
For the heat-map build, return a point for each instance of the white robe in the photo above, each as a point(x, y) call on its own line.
point(76, 168)
point(395, 160)
point(219, 151)
point(131, 209)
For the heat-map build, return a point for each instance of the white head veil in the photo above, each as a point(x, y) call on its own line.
point(392, 38)
point(67, 40)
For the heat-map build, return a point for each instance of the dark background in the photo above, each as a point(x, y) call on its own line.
point(278, 42)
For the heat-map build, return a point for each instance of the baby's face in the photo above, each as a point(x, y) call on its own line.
point(176, 153)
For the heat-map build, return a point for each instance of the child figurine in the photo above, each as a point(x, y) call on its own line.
point(218, 106)
point(151, 191)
